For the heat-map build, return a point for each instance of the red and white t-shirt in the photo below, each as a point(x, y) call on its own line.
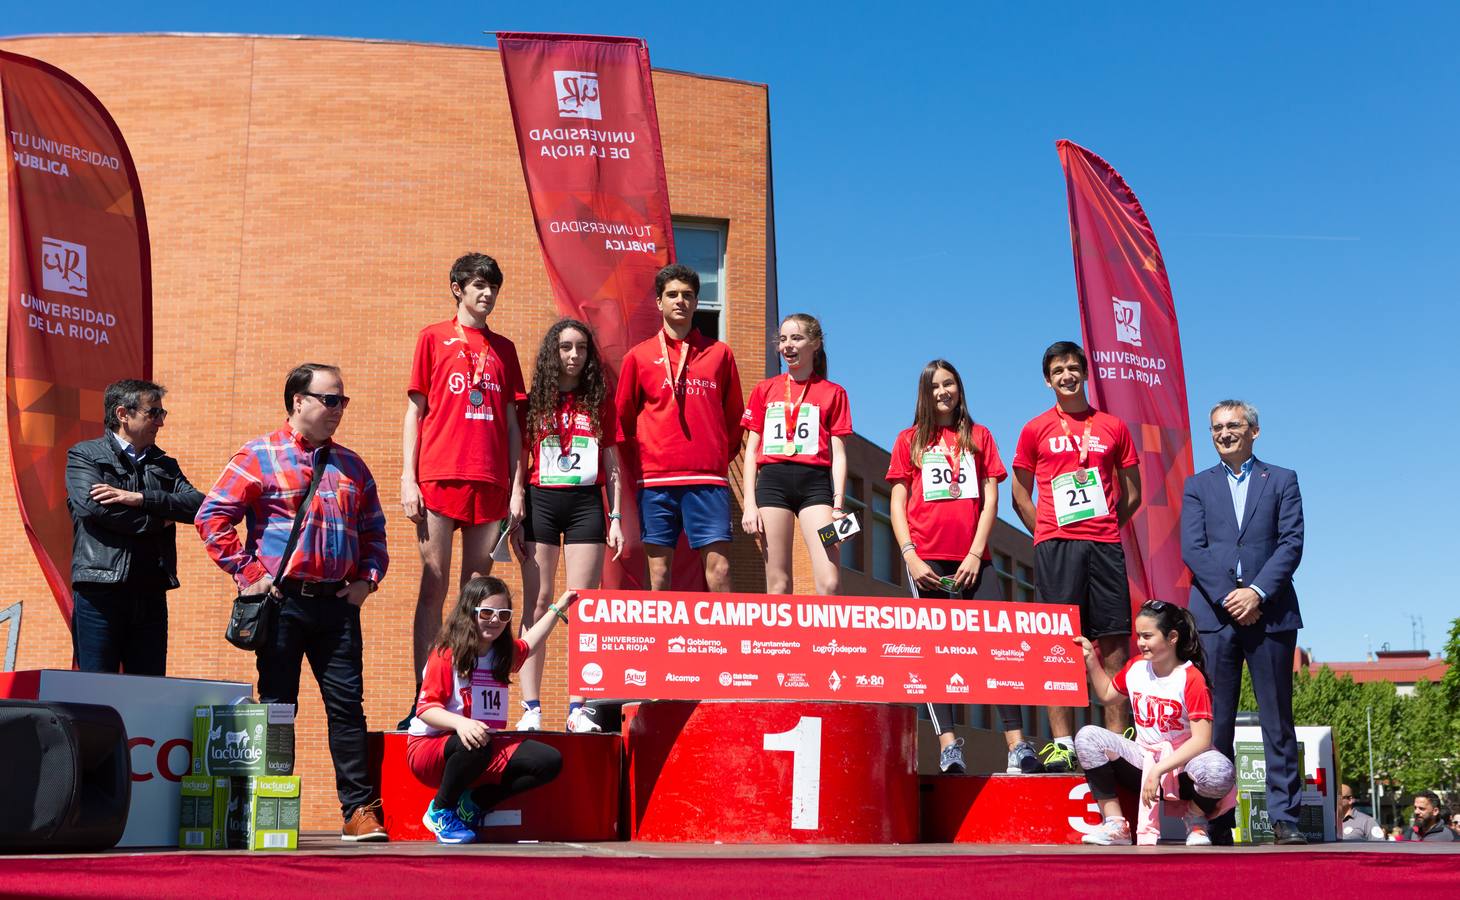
point(1164, 708)
point(478, 696)
point(463, 435)
point(549, 466)
point(823, 413)
point(942, 526)
point(684, 435)
point(1075, 503)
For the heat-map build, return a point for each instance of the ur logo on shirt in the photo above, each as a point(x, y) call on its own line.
point(1071, 444)
point(1156, 712)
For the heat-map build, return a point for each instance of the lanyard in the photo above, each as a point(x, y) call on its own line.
point(793, 411)
point(954, 458)
point(1084, 441)
point(567, 418)
point(676, 375)
point(480, 368)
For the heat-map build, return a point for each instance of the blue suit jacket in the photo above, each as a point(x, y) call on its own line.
point(1269, 544)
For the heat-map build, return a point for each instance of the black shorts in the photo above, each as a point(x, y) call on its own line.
point(569, 515)
point(1087, 574)
point(793, 486)
point(985, 587)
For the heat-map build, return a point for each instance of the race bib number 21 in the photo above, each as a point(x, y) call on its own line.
point(1078, 496)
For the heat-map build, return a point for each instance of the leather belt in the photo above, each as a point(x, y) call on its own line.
point(310, 590)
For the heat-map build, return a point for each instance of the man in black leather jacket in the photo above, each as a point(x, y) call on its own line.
point(125, 494)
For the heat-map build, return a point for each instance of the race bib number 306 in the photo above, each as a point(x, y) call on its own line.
point(805, 437)
point(1078, 496)
point(938, 477)
point(577, 466)
point(488, 699)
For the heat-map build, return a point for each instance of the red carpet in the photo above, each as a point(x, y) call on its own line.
point(1172, 873)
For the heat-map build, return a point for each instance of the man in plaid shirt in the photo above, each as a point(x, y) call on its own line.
point(339, 561)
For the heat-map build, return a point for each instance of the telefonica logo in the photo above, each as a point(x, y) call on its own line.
point(578, 96)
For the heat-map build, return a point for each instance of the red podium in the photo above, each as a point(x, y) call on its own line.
point(1011, 809)
point(771, 772)
point(581, 804)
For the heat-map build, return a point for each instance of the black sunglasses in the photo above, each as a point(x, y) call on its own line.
point(1156, 605)
point(330, 401)
point(155, 413)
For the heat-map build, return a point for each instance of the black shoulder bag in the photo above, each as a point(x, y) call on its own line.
point(252, 622)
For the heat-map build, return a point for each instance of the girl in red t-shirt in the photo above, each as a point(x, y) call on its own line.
point(1171, 759)
point(945, 473)
point(795, 459)
point(572, 437)
point(455, 741)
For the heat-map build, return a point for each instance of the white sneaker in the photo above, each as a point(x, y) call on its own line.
point(580, 721)
point(1109, 833)
point(1196, 832)
point(531, 719)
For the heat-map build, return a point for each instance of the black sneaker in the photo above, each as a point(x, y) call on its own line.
point(1057, 758)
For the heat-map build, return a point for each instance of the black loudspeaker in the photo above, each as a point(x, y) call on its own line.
point(67, 780)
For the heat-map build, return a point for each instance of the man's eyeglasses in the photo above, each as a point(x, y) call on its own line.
point(1230, 427)
point(155, 413)
point(492, 614)
point(330, 401)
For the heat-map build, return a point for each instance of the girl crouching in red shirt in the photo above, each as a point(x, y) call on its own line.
point(455, 740)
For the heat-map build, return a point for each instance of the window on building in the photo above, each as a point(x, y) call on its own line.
point(1024, 586)
point(700, 244)
point(853, 547)
point(1004, 566)
point(886, 562)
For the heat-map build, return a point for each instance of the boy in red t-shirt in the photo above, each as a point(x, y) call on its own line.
point(461, 441)
point(679, 406)
point(1084, 464)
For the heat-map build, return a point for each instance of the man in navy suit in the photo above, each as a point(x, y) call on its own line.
point(1242, 537)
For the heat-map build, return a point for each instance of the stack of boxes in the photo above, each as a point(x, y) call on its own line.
point(1253, 824)
point(242, 793)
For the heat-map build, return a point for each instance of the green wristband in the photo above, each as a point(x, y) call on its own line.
point(558, 612)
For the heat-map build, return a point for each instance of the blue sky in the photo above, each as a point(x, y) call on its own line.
point(1295, 160)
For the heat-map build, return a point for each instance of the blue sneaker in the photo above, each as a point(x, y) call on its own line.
point(446, 826)
point(469, 813)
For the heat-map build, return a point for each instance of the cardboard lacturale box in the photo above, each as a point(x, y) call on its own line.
point(203, 813)
point(245, 739)
point(261, 813)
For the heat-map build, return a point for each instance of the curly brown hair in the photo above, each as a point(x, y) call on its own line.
point(542, 400)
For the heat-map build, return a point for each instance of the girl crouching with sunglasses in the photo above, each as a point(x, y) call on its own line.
point(454, 737)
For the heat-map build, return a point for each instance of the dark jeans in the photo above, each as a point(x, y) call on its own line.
point(119, 628)
point(325, 631)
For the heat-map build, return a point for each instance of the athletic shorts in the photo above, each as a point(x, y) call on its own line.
point(793, 486)
point(425, 754)
point(700, 511)
point(467, 502)
point(568, 515)
point(985, 587)
point(1088, 574)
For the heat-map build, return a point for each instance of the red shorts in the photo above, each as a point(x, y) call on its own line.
point(424, 754)
point(467, 502)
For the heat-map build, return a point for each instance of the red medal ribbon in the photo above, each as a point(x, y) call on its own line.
point(954, 459)
point(1085, 440)
point(675, 375)
point(793, 411)
point(480, 368)
point(567, 418)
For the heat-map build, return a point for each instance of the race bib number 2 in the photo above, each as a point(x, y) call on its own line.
point(578, 466)
point(805, 438)
point(1078, 496)
point(488, 700)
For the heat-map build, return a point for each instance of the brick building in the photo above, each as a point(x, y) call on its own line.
point(305, 198)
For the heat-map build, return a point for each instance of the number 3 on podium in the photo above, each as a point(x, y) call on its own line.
point(804, 744)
